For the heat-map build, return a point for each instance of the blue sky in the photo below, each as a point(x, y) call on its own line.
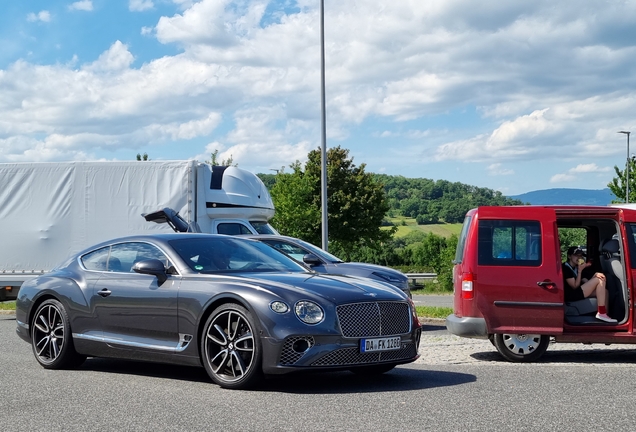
point(514, 96)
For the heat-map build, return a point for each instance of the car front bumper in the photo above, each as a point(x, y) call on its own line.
point(332, 353)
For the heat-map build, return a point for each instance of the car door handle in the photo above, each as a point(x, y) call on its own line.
point(547, 284)
point(105, 292)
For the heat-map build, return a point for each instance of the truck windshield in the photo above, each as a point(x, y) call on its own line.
point(459, 253)
point(263, 227)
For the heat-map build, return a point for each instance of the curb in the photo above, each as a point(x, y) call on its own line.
point(435, 321)
point(7, 312)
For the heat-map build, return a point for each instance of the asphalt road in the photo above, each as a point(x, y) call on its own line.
point(457, 385)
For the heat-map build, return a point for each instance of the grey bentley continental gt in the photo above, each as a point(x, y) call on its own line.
point(235, 306)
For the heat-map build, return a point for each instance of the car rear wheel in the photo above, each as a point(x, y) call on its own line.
point(51, 337)
point(231, 348)
point(521, 347)
point(372, 370)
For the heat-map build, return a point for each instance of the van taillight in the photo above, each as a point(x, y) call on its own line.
point(467, 286)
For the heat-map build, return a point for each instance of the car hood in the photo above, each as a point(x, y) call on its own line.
point(370, 268)
point(335, 288)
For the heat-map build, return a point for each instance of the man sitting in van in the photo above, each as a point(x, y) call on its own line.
point(578, 288)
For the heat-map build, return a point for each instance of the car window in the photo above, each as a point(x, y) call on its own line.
point(509, 243)
point(631, 242)
point(320, 253)
point(232, 229)
point(459, 252)
point(124, 255)
point(228, 254)
point(293, 251)
point(263, 227)
point(96, 260)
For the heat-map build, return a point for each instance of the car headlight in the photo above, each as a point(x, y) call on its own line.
point(309, 312)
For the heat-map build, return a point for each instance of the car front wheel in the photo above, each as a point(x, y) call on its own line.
point(521, 347)
point(231, 348)
point(51, 337)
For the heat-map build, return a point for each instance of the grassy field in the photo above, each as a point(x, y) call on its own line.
point(10, 305)
point(433, 311)
point(406, 225)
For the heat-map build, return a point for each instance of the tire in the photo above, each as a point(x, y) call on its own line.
point(521, 347)
point(52, 339)
point(231, 348)
point(372, 370)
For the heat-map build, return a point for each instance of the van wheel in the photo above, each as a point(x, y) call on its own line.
point(521, 347)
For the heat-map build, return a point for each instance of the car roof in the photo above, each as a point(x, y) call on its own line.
point(159, 238)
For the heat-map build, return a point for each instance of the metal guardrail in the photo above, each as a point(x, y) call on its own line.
point(413, 277)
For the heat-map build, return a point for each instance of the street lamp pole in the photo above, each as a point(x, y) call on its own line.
point(323, 132)
point(626, 168)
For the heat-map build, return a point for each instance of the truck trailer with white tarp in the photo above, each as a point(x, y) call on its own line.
point(52, 210)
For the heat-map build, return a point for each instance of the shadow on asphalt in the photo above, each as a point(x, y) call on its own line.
point(588, 356)
point(399, 379)
point(433, 327)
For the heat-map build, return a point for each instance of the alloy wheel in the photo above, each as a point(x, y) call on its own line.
point(229, 345)
point(48, 334)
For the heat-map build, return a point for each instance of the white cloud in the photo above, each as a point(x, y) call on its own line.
point(116, 59)
point(255, 140)
point(497, 169)
point(573, 173)
point(562, 178)
point(201, 24)
point(140, 5)
point(44, 16)
point(543, 81)
point(82, 5)
point(184, 131)
point(589, 168)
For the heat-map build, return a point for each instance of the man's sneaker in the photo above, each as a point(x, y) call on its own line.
point(604, 317)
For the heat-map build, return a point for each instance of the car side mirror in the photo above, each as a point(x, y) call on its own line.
point(311, 260)
point(152, 267)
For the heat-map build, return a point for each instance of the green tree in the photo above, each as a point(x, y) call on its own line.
point(445, 269)
point(144, 157)
point(356, 203)
point(617, 185)
point(214, 160)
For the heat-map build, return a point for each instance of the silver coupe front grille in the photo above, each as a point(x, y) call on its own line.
point(374, 319)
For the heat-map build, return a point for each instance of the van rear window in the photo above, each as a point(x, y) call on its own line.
point(509, 243)
point(459, 252)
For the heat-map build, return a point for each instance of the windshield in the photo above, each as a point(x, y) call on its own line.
point(232, 255)
point(263, 228)
point(319, 252)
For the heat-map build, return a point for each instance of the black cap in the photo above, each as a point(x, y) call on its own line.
point(575, 250)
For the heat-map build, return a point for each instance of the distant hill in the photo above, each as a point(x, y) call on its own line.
point(567, 197)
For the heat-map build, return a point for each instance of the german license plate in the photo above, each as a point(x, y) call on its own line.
point(380, 344)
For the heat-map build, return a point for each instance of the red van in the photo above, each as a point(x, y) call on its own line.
point(508, 277)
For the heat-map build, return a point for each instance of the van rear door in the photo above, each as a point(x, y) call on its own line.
point(518, 282)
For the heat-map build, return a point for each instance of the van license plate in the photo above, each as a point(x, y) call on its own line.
point(380, 344)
